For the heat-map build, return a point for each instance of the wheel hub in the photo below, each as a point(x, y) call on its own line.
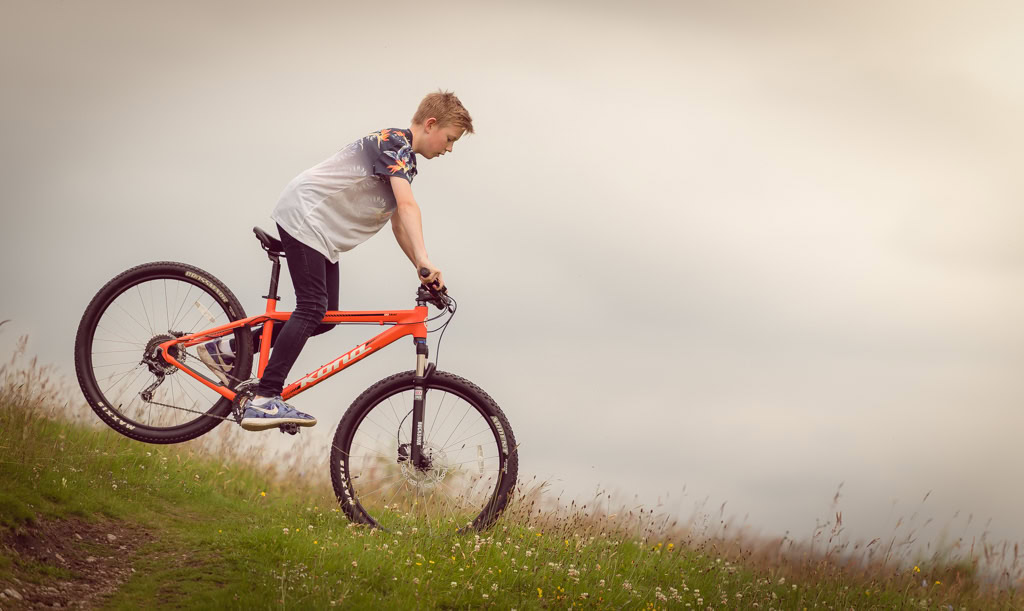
point(151, 355)
point(435, 470)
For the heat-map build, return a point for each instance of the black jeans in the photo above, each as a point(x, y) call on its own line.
point(315, 280)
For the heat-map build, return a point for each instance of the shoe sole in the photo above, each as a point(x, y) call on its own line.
point(204, 356)
point(262, 424)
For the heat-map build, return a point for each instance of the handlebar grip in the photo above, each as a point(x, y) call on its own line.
point(424, 272)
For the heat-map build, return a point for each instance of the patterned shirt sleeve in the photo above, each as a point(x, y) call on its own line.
point(394, 156)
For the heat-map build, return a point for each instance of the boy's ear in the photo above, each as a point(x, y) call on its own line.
point(430, 123)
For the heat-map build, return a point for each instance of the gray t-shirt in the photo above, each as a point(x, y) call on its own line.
point(341, 202)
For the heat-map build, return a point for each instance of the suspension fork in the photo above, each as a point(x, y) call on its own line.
point(423, 373)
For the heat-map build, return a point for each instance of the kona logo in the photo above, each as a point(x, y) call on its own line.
point(212, 286)
point(330, 368)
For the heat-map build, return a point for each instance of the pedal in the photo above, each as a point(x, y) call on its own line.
point(289, 427)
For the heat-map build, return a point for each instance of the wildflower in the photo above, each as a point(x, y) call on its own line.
point(938, 583)
point(419, 564)
point(528, 553)
point(540, 593)
point(454, 584)
point(485, 596)
point(627, 586)
point(284, 530)
point(494, 587)
point(916, 570)
point(354, 563)
point(671, 545)
point(263, 494)
point(416, 580)
point(314, 541)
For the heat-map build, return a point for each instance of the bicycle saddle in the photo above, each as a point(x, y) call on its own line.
point(269, 242)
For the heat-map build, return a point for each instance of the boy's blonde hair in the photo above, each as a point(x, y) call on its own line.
point(446, 108)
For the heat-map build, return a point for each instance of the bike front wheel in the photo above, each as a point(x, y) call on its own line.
point(468, 443)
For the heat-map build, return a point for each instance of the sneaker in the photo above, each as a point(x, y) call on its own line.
point(273, 412)
point(219, 362)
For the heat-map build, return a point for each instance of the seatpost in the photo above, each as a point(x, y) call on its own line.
point(266, 336)
point(274, 274)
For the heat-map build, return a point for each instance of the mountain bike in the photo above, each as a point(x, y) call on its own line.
point(420, 448)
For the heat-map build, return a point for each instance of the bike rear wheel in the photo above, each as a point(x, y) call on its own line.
point(467, 441)
point(119, 332)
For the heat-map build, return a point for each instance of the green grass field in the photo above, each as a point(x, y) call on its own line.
point(89, 516)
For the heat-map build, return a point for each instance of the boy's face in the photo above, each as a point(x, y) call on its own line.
point(438, 139)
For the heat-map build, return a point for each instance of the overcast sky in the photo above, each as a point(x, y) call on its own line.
point(756, 249)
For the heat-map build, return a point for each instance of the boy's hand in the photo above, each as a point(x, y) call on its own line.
point(432, 277)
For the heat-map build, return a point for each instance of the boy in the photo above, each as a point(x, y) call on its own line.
point(329, 209)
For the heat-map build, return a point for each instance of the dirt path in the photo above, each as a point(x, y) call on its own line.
point(68, 563)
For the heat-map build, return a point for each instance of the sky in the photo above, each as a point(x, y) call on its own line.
point(705, 253)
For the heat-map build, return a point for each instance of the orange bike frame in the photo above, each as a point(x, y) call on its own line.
point(404, 322)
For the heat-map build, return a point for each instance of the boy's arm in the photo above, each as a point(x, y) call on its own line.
point(407, 224)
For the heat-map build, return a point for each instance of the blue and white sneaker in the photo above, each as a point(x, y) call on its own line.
point(262, 414)
point(217, 359)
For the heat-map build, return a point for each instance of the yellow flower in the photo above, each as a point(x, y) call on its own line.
point(419, 564)
point(938, 583)
point(916, 570)
point(263, 494)
point(538, 534)
point(314, 541)
point(671, 545)
point(540, 593)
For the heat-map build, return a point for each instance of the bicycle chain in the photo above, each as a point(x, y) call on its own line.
point(243, 388)
point(194, 411)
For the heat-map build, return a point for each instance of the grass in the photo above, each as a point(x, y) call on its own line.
point(210, 528)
